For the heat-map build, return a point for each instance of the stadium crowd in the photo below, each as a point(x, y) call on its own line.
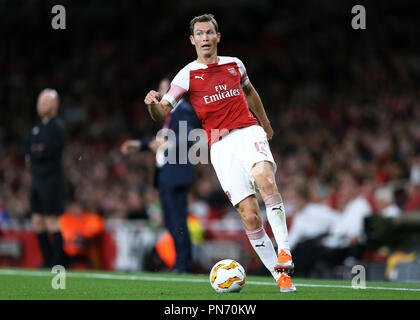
point(344, 104)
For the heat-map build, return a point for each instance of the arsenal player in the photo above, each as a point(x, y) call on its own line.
point(222, 96)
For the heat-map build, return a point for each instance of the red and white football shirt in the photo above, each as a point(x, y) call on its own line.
point(215, 93)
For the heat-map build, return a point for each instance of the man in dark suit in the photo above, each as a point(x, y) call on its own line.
point(172, 179)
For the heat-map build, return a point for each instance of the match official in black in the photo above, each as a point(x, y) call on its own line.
point(43, 150)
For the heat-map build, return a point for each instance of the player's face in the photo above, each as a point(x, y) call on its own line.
point(205, 39)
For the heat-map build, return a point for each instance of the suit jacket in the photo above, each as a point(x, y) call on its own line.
point(176, 175)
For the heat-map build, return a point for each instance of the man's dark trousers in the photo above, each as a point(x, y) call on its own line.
point(173, 182)
point(174, 202)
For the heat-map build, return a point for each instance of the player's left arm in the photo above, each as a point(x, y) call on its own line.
point(255, 104)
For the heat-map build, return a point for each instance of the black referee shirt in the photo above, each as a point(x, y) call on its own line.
point(44, 146)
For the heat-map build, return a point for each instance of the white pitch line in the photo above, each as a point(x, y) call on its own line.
point(170, 279)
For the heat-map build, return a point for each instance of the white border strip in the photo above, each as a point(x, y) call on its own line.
point(170, 279)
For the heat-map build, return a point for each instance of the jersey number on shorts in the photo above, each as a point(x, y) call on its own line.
point(260, 146)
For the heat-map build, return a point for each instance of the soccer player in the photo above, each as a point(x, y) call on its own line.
point(221, 95)
point(44, 149)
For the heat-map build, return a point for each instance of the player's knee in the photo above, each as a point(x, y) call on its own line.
point(266, 184)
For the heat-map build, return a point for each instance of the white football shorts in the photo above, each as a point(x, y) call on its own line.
point(233, 158)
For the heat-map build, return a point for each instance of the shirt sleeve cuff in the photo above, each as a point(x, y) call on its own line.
point(170, 99)
point(245, 83)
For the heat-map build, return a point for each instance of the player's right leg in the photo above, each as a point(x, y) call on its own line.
point(263, 173)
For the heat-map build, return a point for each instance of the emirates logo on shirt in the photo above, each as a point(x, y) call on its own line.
point(221, 93)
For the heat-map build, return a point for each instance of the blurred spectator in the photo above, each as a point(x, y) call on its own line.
point(4, 214)
point(385, 204)
point(135, 206)
point(348, 229)
point(81, 233)
point(311, 223)
point(413, 187)
point(313, 220)
point(346, 237)
point(415, 171)
point(413, 197)
point(197, 206)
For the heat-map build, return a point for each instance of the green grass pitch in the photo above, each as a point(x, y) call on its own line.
point(24, 284)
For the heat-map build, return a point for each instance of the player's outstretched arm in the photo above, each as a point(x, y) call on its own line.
point(255, 104)
point(157, 110)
